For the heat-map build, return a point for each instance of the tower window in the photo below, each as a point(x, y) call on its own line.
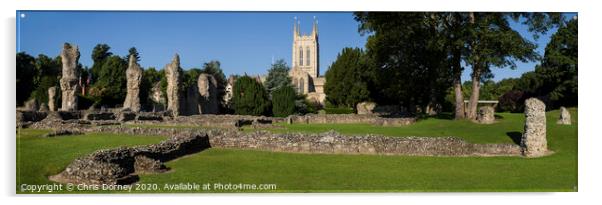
point(300, 56)
point(308, 56)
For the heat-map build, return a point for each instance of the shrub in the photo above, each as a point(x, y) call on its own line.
point(512, 101)
point(283, 101)
point(250, 97)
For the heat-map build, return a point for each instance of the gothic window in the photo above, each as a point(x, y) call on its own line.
point(308, 56)
point(300, 56)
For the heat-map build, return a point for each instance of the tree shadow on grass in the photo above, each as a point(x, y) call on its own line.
point(515, 136)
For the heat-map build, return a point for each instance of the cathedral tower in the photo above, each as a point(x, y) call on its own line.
point(305, 71)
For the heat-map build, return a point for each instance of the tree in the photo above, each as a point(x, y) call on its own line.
point(25, 76)
point(134, 52)
point(348, 78)
point(558, 70)
point(108, 90)
point(99, 54)
point(493, 43)
point(48, 73)
point(283, 101)
point(250, 97)
point(407, 55)
point(277, 76)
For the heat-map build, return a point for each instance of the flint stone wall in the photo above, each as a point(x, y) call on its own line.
point(120, 165)
point(350, 119)
point(173, 73)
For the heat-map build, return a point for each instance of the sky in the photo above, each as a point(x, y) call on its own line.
point(243, 42)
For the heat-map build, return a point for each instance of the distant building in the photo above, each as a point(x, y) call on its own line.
point(305, 64)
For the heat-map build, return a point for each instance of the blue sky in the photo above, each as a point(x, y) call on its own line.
point(244, 42)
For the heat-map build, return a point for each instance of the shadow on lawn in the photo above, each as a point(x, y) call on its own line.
point(515, 136)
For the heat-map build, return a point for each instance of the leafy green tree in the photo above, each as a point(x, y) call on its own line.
point(277, 76)
point(250, 97)
point(348, 79)
point(558, 70)
point(99, 54)
point(108, 90)
point(409, 58)
point(26, 72)
point(48, 73)
point(283, 101)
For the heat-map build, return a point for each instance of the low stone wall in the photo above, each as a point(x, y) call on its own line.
point(335, 143)
point(350, 119)
point(120, 165)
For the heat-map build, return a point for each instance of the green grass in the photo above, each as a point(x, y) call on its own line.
point(351, 173)
point(39, 157)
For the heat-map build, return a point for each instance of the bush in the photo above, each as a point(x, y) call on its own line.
point(283, 101)
point(512, 101)
point(339, 110)
point(250, 97)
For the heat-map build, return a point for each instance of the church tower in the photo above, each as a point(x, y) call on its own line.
point(306, 50)
point(305, 72)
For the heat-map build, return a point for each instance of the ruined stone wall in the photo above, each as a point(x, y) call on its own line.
point(134, 78)
point(350, 119)
point(173, 73)
point(120, 165)
point(70, 76)
point(335, 143)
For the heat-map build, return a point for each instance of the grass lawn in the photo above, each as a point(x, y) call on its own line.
point(38, 157)
point(347, 173)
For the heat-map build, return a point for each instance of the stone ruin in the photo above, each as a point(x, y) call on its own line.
point(486, 115)
point(350, 119)
point(364, 108)
point(157, 97)
point(207, 87)
point(120, 165)
point(173, 73)
point(32, 105)
point(534, 142)
point(69, 80)
point(565, 117)
point(134, 78)
point(52, 99)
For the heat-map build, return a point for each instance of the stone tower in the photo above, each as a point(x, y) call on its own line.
point(305, 72)
point(305, 50)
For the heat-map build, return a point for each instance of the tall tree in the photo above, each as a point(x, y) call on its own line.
point(493, 43)
point(26, 73)
point(99, 54)
point(48, 72)
point(250, 97)
point(277, 76)
point(108, 90)
point(558, 70)
point(406, 51)
point(348, 78)
point(283, 101)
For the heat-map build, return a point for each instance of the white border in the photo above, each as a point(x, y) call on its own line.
point(589, 97)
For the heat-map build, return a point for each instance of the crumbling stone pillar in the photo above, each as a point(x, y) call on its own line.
point(486, 115)
point(69, 80)
point(565, 117)
point(52, 98)
point(364, 108)
point(207, 87)
point(534, 142)
point(173, 73)
point(134, 77)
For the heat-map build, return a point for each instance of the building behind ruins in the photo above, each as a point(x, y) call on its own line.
point(305, 72)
